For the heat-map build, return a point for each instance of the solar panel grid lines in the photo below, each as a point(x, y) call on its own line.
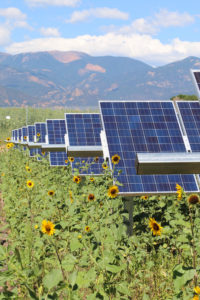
point(16, 135)
point(83, 129)
point(24, 134)
point(31, 133)
point(196, 80)
point(58, 158)
point(143, 126)
point(41, 130)
point(56, 130)
point(19, 134)
point(13, 135)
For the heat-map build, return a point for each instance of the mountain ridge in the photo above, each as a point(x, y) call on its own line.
point(74, 79)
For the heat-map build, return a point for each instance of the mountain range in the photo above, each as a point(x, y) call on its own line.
point(76, 79)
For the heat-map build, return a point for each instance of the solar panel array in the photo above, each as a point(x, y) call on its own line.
point(15, 135)
point(84, 130)
point(19, 134)
point(151, 126)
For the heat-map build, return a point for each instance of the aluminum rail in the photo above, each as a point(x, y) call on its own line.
point(168, 163)
point(84, 151)
point(54, 147)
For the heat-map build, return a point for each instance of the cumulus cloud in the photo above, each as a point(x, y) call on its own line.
point(152, 25)
point(71, 3)
point(4, 35)
point(50, 31)
point(14, 17)
point(142, 47)
point(99, 12)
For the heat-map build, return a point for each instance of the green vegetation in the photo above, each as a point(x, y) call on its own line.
point(184, 97)
point(67, 240)
point(20, 116)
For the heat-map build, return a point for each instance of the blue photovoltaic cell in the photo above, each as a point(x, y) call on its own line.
point(19, 134)
point(32, 152)
point(16, 135)
point(88, 165)
point(56, 130)
point(13, 135)
point(190, 113)
point(150, 126)
point(84, 130)
point(58, 158)
point(197, 80)
point(41, 154)
point(24, 134)
point(31, 133)
point(40, 128)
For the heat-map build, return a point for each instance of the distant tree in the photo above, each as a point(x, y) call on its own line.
point(184, 97)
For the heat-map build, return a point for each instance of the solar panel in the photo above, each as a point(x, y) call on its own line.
point(190, 114)
point(24, 134)
point(13, 135)
point(41, 154)
point(40, 129)
point(58, 158)
point(16, 135)
point(32, 152)
point(196, 79)
point(56, 130)
point(84, 130)
point(19, 134)
point(138, 126)
point(31, 133)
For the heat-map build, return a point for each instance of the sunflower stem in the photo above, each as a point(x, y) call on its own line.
point(193, 245)
point(59, 260)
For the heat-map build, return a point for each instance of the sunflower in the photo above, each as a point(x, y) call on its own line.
point(155, 227)
point(38, 134)
point(196, 297)
point(79, 236)
point(71, 159)
point(96, 159)
point(104, 166)
point(179, 191)
point(27, 167)
point(8, 146)
point(197, 290)
point(48, 227)
point(87, 228)
point(77, 179)
point(43, 153)
point(28, 170)
point(25, 137)
point(193, 199)
point(66, 161)
point(30, 184)
point(92, 179)
point(91, 197)
point(51, 193)
point(113, 191)
point(36, 226)
point(144, 197)
point(115, 159)
point(8, 139)
point(2, 174)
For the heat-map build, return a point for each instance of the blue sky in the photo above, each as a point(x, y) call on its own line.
point(154, 31)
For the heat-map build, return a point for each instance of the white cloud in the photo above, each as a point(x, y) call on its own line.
point(152, 25)
point(142, 47)
point(50, 31)
point(71, 3)
point(14, 17)
point(99, 12)
point(4, 35)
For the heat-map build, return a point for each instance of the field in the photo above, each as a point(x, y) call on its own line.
point(66, 238)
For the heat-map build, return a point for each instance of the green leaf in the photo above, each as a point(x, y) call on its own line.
point(181, 280)
point(123, 288)
point(114, 269)
point(2, 253)
point(52, 279)
point(75, 244)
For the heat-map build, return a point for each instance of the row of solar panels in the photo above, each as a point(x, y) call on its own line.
point(124, 128)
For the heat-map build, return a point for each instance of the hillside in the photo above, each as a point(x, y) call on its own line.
point(75, 79)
